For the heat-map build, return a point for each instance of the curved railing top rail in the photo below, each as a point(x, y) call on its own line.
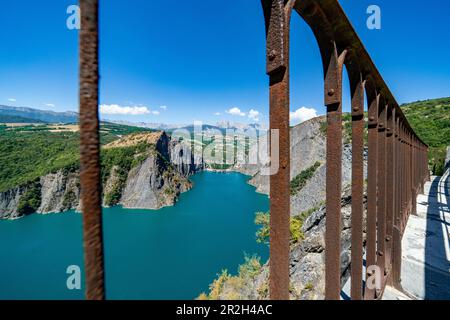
point(329, 23)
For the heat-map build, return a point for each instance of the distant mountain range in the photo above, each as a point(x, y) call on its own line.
point(22, 115)
point(220, 126)
point(10, 114)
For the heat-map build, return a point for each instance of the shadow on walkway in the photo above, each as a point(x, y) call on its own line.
point(437, 244)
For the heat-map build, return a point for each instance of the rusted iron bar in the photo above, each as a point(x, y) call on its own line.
point(395, 280)
point(89, 152)
point(333, 101)
point(372, 169)
point(381, 196)
point(357, 87)
point(277, 16)
point(390, 178)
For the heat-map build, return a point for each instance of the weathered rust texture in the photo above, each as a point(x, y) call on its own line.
point(396, 232)
point(89, 152)
point(372, 168)
point(390, 191)
point(357, 87)
point(277, 15)
point(333, 101)
point(381, 197)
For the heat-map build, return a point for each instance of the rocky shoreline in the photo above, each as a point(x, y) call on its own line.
point(155, 182)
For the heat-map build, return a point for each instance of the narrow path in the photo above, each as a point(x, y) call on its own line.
point(426, 244)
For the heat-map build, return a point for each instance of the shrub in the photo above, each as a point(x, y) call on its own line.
point(31, 200)
point(301, 179)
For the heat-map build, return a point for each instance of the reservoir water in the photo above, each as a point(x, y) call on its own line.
point(171, 253)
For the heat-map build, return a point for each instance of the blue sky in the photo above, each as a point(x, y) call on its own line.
point(199, 58)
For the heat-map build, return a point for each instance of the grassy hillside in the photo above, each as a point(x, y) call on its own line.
point(30, 151)
point(431, 120)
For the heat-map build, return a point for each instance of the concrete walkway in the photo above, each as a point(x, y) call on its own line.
point(425, 248)
point(426, 244)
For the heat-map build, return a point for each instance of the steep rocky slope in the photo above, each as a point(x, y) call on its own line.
point(308, 147)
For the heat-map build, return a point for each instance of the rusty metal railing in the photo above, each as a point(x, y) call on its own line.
point(90, 152)
point(397, 159)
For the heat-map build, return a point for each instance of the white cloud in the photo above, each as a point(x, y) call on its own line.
point(217, 113)
point(163, 107)
point(254, 115)
point(302, 114)
point(12, 100)
point(50, 105)
point(236, 112)
point(116, 109)
point(156, 113)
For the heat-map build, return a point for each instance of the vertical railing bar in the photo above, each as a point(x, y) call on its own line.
point(333, 101)
point(390, 178)
point(277, 17)
point(357, 189)
point(381, 203)
point(396, 233)
point(90, 153)
point(372, 174)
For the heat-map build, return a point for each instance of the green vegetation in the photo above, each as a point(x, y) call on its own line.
point(69, 199)
point(25, 157)
point(301, 179)
point(430, 119)
point(236, 284)
point(31, 200)
point(216, 166)
point(31, 151)
point(262, 219)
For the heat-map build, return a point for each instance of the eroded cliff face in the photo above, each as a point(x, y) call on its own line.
point(308, 146)
point(9, 202)
point(60, 192)
point(155, 182)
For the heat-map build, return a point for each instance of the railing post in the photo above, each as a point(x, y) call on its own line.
point(372, 167)
point(381, 199)
point(357, 87)
point(333, 101)
point(89, 152)
point(394, 279)
point(277, 16)
point(390, 189)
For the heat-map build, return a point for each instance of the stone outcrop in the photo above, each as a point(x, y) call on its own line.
point(60, 192)
point(153, 184)
point(9, 202)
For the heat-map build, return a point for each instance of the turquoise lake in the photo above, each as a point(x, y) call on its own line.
point(171, 253)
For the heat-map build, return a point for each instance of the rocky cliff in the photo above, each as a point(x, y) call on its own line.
point(153, 177)
point(308, 147)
